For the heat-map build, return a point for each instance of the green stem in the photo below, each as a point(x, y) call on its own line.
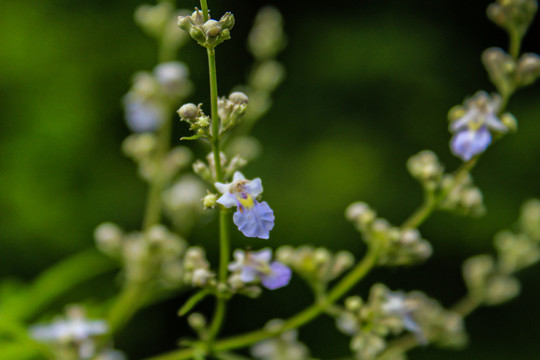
point(432, 201)
point(300, 319)
point(515, 43)
point(125, 306)
point(204, 9)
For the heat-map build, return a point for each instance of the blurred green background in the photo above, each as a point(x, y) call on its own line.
point(368, 84)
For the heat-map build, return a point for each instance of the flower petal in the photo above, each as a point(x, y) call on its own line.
point(262, 256)
point(279, 276)
point(222, 188)
point(248, 274)
point(494, 123)
point(256, 221)
point(468, 143)
point(228, 200)
point(254, 187)
point(238, 176)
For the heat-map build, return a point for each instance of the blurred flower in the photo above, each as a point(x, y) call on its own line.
point(255, 265)
point(253, 219)
point(472, 130)
point(282, 347)
point(74, 329)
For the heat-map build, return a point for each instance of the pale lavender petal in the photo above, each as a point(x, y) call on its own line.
point(279, 277)
point(494, 123)
point(248, 274)
point(262, 256)
point(228, 200)
point(238, 176)
point(412, 326)
point(239, 258)
point(254, 187)
point(463, 121)
point(256, 221)
point(222, 188)
point(468, 143)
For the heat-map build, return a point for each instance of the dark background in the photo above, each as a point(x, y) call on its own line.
point(368, 84)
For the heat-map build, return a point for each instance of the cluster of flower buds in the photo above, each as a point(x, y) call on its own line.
point(400, 246)
point(508, 74)
point(209, 33)
point(195, 117)
point(197, 268)
point(207, 170)
point(464, 198)
point(265, 41)
point(182, 202)
point(513, 15)
point(142, 149)
point(318, 266)
point(369, 323)
point(474, 122)
point(490, 280)
point(486, 284)
point(231, 110)
point(426, 168)
point(159, 21)
point(389, 313)
point(153, 255)
point(149, 101)
point(73, 336)
point(284, 346)
point(529, 220)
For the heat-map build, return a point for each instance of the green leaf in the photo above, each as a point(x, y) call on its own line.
point(194, 137)
point(54, 282)
point(192, 301)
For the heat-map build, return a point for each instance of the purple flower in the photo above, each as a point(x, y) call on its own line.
point(254, 219)
point(472, 131)
point(255, 265)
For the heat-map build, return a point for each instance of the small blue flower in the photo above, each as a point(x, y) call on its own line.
point(254, 219)
point(143, 115)
point(472, 133)
point(255, 265)
point(396, 304)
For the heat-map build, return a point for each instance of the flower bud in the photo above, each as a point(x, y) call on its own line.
point(212, 28)
point(238, 97)
point(197, 321)
point(509, 121)
point(227, 21)
point(209, 201)
point(197, 33)
point(528, 69)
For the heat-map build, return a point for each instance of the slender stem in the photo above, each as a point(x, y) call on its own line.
point(204, 9)
point(300, 319)
point(515, 43)
point(431, 201)
point(215, 115)
point(224, 243)
point(127, 304)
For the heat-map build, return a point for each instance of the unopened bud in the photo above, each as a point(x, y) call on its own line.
point(209, 201)
point(212, 28)
point(227, 21)
point(238, 97)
